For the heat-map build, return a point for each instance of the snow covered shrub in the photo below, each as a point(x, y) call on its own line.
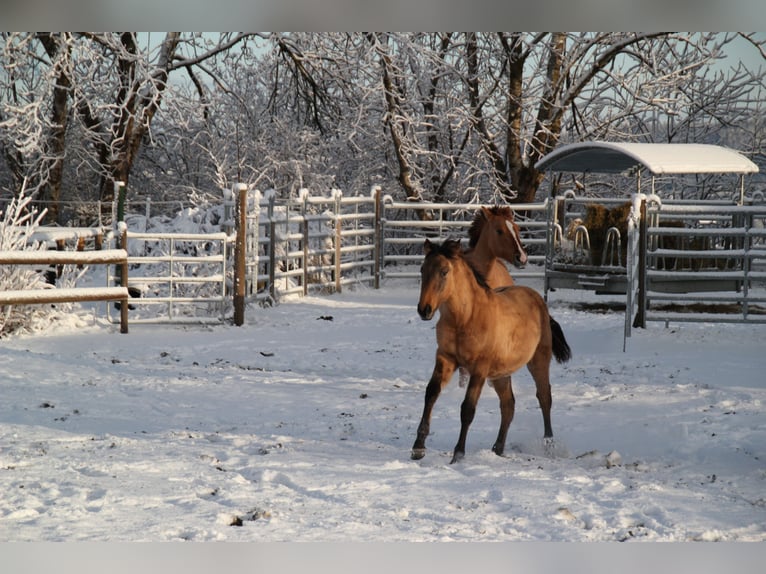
point(18, 222)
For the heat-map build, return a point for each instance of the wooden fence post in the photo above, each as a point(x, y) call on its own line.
point(119, 218)
point(377, 193)
point(240, 255)
point(272, 249)
point(124, 279)
point(304, 197)
point(337, 194)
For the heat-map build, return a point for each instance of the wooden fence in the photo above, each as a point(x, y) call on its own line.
point(68, 295)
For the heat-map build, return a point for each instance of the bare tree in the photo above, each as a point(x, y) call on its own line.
point(430, 116)
point(105, 88)
point(524, 93)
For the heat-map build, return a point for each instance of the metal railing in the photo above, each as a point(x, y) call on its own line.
point(404, 226)
point(183, 276)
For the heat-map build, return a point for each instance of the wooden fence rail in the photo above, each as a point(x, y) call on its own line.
point(73, 294)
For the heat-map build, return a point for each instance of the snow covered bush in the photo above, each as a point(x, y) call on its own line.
point(18, 222)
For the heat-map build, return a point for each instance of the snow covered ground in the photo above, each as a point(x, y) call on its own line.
point(298, 427)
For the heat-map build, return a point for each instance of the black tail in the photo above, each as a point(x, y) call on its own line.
point(561, 349)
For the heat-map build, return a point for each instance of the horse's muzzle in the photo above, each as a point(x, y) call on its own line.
point(425, 312)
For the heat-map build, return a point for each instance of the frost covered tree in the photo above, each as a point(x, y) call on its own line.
point(431, 116)
point(18, 222)
point(292, 111)
point(76, 108)
point(462, 116)
point(500, 102)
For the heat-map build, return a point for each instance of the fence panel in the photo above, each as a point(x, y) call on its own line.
point(309, 244)
point(706, 263)
point(176, 277)
point(406, 225)
point(313, 244)
point(690, 255)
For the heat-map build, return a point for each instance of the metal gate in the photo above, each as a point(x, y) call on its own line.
point(309, 244)
point(175, 277)
point(705, 263)
point(403, 232)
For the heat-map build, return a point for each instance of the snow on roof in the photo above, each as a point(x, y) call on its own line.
point(657, 158)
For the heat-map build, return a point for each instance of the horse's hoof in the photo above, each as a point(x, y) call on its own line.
point(418, 453)
point(498, 449)
point(457, 457)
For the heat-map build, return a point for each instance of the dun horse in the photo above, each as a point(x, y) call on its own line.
point(492, 333)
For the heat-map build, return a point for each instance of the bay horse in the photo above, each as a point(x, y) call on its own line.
point(490, 332)
point(494, 235)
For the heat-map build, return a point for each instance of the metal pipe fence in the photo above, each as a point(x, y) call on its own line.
point(672, 260)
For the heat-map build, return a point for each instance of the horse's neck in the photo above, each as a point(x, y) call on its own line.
point(467, 295)
point(481, 256)
point(492, 267)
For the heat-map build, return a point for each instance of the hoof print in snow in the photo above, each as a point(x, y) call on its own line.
point(264, 450)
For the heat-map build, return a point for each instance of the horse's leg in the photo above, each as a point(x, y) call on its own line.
point(539, 367)
point(443, 369)
point(504, 391)
point(467, 411)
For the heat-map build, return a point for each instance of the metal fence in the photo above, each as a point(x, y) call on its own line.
point(705, 263)
point(183, 277)
point(309, 244)
point(674, 261)
point(404, 226)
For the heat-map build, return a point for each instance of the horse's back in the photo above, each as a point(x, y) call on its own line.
point(498, 276)
point(515, 295)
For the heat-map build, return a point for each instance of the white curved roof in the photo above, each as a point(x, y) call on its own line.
point(658, 158)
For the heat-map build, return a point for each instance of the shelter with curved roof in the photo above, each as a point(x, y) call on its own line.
point(656, 158)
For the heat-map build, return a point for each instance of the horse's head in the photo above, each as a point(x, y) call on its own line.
point(435, 276)
point(497, 231)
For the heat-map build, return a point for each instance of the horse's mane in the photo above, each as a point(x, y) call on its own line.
point(474, 232)
point(450, 248)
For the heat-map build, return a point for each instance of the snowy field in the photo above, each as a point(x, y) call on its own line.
point(298, 427)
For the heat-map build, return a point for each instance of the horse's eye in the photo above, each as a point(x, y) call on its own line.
point(444, 272)
point(499, 231)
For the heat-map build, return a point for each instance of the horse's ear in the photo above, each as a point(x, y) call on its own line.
point(427, 247)
point(486, 213)
point(453, 246)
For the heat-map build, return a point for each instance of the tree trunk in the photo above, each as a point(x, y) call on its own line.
point(138, 102)
point(397, 124)
point(59, 115)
